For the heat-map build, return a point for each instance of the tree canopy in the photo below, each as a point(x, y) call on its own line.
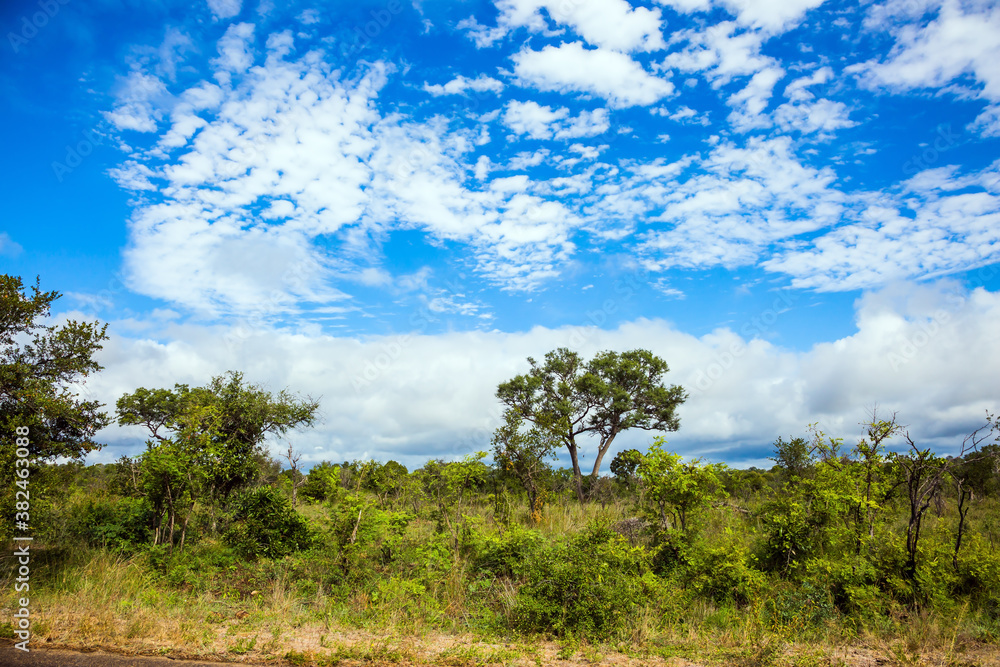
point(205, 441)
point(611, 393)
point(39, 366)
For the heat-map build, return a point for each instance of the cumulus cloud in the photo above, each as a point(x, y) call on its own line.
point(225, 9)
point(543, 122)
point(744, 390)
point(727, 208)
point(275, 157)
point(773, 17)
point(612, 24)
point(955, 225)
point(608, 74)
point(960, 41)
point(822, 117)
point(139, 103)
point(461, 84)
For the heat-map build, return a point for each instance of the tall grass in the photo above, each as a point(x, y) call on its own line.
point(207, 603)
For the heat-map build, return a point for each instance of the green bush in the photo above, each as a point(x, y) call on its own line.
point(364, 537)
point(978, 574)
point(263, 524)
point(507, 553)
point(724, 573)
point(790, 535)
point(115, 523)
point(591, 585)
point(800, 607)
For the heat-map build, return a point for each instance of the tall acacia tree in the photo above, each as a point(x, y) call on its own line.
point(609, 394)
point(40, 364)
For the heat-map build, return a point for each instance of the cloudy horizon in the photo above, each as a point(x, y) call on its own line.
point(391, 205)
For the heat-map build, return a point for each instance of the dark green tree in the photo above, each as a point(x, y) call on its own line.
point(207, 442)
point(40, 366)
point(793, 457)
point(625, 466)
point(611, 393)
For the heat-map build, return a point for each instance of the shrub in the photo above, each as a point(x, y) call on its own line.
point(591, 585)
point(263, 524)
point(365, 537)
point(724, 573)
point(506, 554)
point(799, 607)
point(119, 524)
point(790, 535)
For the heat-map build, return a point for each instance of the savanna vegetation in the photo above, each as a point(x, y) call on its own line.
point(878, 551)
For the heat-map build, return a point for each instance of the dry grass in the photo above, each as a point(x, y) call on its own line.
point(116, 604)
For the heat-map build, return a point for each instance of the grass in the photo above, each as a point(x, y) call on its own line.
point(215, 607)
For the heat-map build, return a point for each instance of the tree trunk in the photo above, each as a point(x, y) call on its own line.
point(184, 525)
point(577, 475)
point(605, 446)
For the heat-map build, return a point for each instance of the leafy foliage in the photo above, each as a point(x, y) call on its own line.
point(611, 393)
point(263, 524)
point(39, 364)
point(673, 490)
point(590, 585)
point(521, 454)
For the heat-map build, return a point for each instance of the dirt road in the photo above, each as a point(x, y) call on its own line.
point(56, 658)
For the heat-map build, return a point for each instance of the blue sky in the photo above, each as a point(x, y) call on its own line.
point(391, 204)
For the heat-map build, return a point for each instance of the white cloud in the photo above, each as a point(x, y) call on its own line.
point(309, 17)
point(743, 199)
point(823, 117)
point(773, 17)
point(572, 68)
point(798, 90)
point(235, 54)
point(532, 118)
point(139, 103)
point(724, 52)
point(460, 84)
point(542, 122)
point(683, 114)
point(225, 9)
point(688, 6)
point(611, 24)
point(911, 352)
point(286, 154)
point(8, 246)
point(988, 122)
point(959, 41)
point(951, 230)
point(749, 104)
